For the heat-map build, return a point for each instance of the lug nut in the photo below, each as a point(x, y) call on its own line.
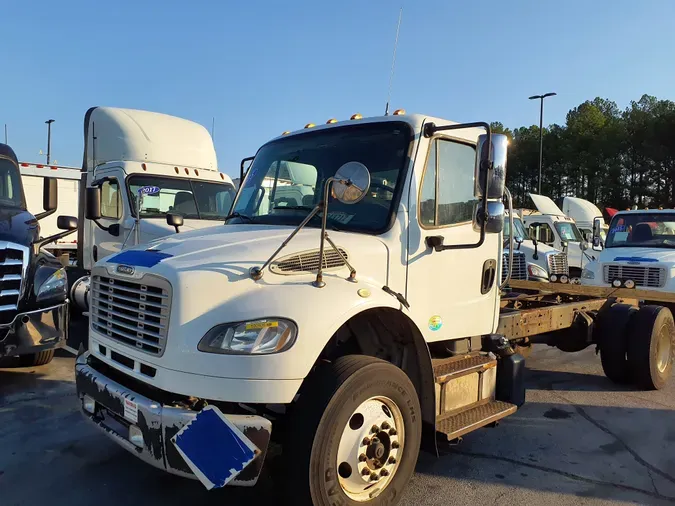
point(365, 471)
point(384, 472)
point(385, 426)
point(362, 457)
point(374, 477)
point(391, 460)
point(392, 432)
point(394, 445)
point(375, 440)
point(374, 429)
point(366, 441)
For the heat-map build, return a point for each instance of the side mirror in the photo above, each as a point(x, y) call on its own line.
point(497, 176)
point(174, 220)
point(494, 222)
point(92, 204)
point(50, 192)
point(532, 233)
point(562, 243)
point(597, 228)
point(66, 223)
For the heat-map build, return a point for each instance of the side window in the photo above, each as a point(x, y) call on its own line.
point(111, 200)
point(446, 194)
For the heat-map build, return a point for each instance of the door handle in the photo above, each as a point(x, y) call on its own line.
point(488, 276)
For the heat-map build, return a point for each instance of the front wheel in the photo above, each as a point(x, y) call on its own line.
point(354, 435)
point(35, 359)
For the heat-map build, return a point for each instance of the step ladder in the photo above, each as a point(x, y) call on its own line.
point(465, 394)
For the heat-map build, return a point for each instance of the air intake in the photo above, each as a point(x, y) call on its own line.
point(308, 261)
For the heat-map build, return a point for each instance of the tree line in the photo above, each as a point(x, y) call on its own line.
point(612, 157)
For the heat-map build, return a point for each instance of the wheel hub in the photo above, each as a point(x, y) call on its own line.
point(663, 350)
point(370, 448)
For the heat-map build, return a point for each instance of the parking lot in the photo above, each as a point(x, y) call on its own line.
point(578, 440)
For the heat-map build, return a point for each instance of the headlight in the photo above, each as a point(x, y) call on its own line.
point(536, 271)
point(587, 274)
point(56, 285)
point(258, 337)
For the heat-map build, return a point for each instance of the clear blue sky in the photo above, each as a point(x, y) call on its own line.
point(264, 67)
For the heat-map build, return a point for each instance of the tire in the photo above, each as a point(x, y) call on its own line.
point(651, 347)
point(328, 413)
point(612, 338)
point(35, 359)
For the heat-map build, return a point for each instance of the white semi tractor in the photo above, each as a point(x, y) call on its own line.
point(352, 325)
point(126, 153)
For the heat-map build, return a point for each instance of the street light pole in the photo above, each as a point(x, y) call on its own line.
point(541, 128)
point(49, 138)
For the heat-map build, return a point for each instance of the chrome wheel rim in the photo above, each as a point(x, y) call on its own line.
point(370, 448)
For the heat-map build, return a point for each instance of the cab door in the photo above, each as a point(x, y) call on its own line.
point(107, 242)
point(452, 293)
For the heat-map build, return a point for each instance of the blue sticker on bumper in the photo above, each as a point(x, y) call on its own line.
point(139, 258)
point(214, 448)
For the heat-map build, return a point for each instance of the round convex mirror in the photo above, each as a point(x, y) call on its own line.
point(351, 183)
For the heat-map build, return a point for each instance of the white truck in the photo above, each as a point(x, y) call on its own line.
point(360, 325)
point(68, 182)
point(584, 213)
point(126, 153)
point(534, 260)
point(551, 226)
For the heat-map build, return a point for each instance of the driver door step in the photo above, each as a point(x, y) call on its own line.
point(474, 418)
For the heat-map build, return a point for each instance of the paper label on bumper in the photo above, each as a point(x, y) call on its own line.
point(131, 411)
point(214, 448)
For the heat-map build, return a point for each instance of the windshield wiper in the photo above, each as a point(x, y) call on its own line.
point(238, 215)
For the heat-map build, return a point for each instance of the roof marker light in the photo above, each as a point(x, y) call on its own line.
point(187, 171)
point(285, 132)
point(399, 112)
point(24, 165)
point(144, 167)
point(196, 172)
point(222, 176)
point(331, 121)
point(40, 166)
point(176, 169)
point(356, 116)
point(310, 125)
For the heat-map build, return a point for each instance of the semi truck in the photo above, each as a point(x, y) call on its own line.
point(351, 328)
point(68, 182)
point(33, 286)
point(126, 153)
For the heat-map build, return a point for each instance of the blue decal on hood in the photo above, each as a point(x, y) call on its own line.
point(139, 258)
point(635, 259)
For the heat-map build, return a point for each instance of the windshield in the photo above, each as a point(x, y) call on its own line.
point(568, 231)
point(287, 177)
point(517, 226)
point(654, 230)
point(191, 198)
point(10, 185)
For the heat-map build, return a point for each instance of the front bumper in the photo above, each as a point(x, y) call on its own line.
point(35, 331)
point(157, 423)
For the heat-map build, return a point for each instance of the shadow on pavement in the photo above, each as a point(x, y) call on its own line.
point(571, 381)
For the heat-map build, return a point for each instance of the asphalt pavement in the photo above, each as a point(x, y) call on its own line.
point(579, 440)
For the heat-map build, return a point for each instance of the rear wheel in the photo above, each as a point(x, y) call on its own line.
point(651, 346)
point(612, 338)
point(34, 359)
point(354, 435)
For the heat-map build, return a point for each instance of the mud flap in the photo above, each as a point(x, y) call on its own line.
point(214, 448)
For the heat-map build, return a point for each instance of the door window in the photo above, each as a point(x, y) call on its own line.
point(446, 193)
point(111, 200)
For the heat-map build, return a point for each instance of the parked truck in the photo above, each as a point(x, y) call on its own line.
point(33, 286)
point(68, 182)
point(128, 152)
point(360, 325)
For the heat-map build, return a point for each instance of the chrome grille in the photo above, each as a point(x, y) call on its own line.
point(652, 277)
point(557, 264)
point(308, 261)
point(133, 312)
point(13, 264)
point(519, 265)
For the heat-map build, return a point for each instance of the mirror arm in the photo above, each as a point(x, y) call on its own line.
point(41, 242)
point(104, 228)
point(318, 282)
point(39, 216)
point(509, 202)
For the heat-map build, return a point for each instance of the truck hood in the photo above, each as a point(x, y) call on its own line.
point(640, 255)
point(233, 249)
point(545, 205)
point(155, 228)
point(18, 226)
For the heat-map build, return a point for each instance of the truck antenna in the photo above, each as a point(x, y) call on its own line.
point(6, 134)
point(393, 62)
point(213, 127)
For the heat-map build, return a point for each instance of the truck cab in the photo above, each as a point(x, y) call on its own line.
point(33, 286)
point(126, 153)
point(585, 213)
point(537, 261)
point(347, 311)
point(549, 225)
point(639, 252)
